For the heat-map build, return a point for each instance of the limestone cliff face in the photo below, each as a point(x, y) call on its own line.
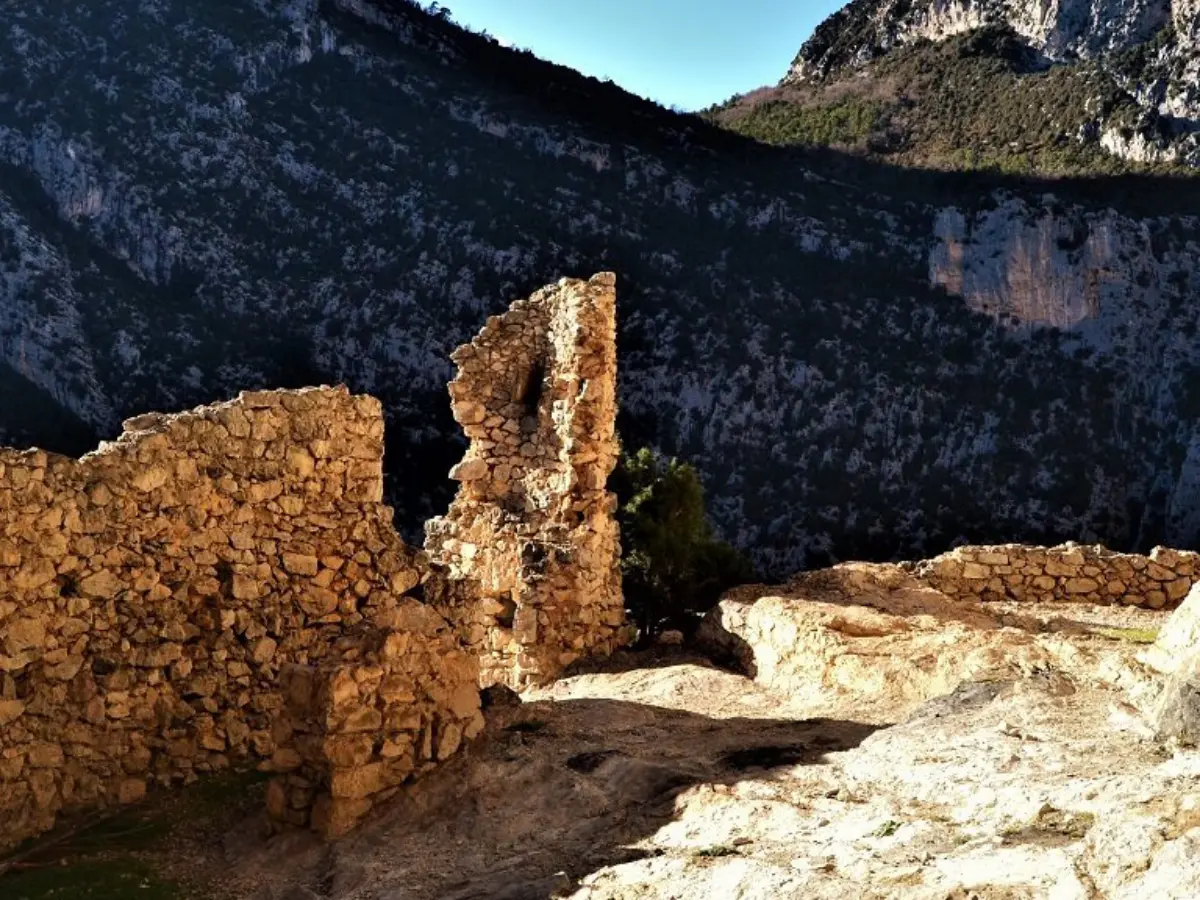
point(1161, 85)
point(1024, 271)
point(1058, 29)
point(341, 192)
point(1186, 15)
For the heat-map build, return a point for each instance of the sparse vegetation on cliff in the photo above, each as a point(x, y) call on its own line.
point(977, 101)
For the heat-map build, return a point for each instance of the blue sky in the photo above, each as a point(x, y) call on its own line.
point(690, 53)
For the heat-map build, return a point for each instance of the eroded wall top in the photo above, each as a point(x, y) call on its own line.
point(531, 539)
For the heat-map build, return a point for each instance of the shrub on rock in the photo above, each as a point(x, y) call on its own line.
point(674, 568)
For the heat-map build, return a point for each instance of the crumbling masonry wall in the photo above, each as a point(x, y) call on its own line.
point(219, 585)
point(1071, 573)
point(530, 544)
point(225, 584)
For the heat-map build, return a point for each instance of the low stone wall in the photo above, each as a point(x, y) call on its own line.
point(530, 543)
point(1071, 573)
point(153, 593)
point(385, 704)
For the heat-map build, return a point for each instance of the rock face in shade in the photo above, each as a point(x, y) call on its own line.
point(860, 362)
point(530, 542)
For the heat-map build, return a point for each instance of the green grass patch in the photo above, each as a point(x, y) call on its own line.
point(844, 124)
point(1130, 635)
point(887, 829)
point(212, 796)
point(116, 856)
point(122, 878)
point(106, 860)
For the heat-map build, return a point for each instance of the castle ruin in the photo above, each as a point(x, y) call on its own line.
point(225, 586)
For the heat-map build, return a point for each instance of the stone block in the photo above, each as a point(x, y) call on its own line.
point(334, 817)
point(358, 782)
point(131, 790)
point(1159, 573)
point(1178, 589)
point(300, 564)
point(992, 558)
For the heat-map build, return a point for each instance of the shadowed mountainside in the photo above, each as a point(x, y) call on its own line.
point(862, 361)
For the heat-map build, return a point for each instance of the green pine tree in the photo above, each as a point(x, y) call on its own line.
point(674, 569)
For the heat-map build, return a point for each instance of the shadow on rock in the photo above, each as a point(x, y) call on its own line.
point(627, 660)
point(555, 790)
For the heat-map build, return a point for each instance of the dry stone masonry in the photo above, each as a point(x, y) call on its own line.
point(216, 586)
point(530, 543)
point(388, 700)
point(1070, 573)
point(226, 584)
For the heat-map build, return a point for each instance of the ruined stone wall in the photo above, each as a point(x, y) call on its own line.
point(530, 544)
point(219, 585)
point(225, 584)
point(1070, 573)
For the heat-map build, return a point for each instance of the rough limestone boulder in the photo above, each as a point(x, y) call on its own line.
point(1179, 637)
point(1177, 715)
point(1176, 654)
point(882, 635)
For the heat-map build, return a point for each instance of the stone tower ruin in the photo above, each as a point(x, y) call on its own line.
point(530, 544)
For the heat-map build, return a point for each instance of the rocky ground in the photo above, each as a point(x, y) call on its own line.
point(889, 745)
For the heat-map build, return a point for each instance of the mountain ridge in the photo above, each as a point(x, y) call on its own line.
point(1133, 65)
point(1059, 31)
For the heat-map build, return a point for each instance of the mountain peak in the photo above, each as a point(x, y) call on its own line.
point(1059, 30)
